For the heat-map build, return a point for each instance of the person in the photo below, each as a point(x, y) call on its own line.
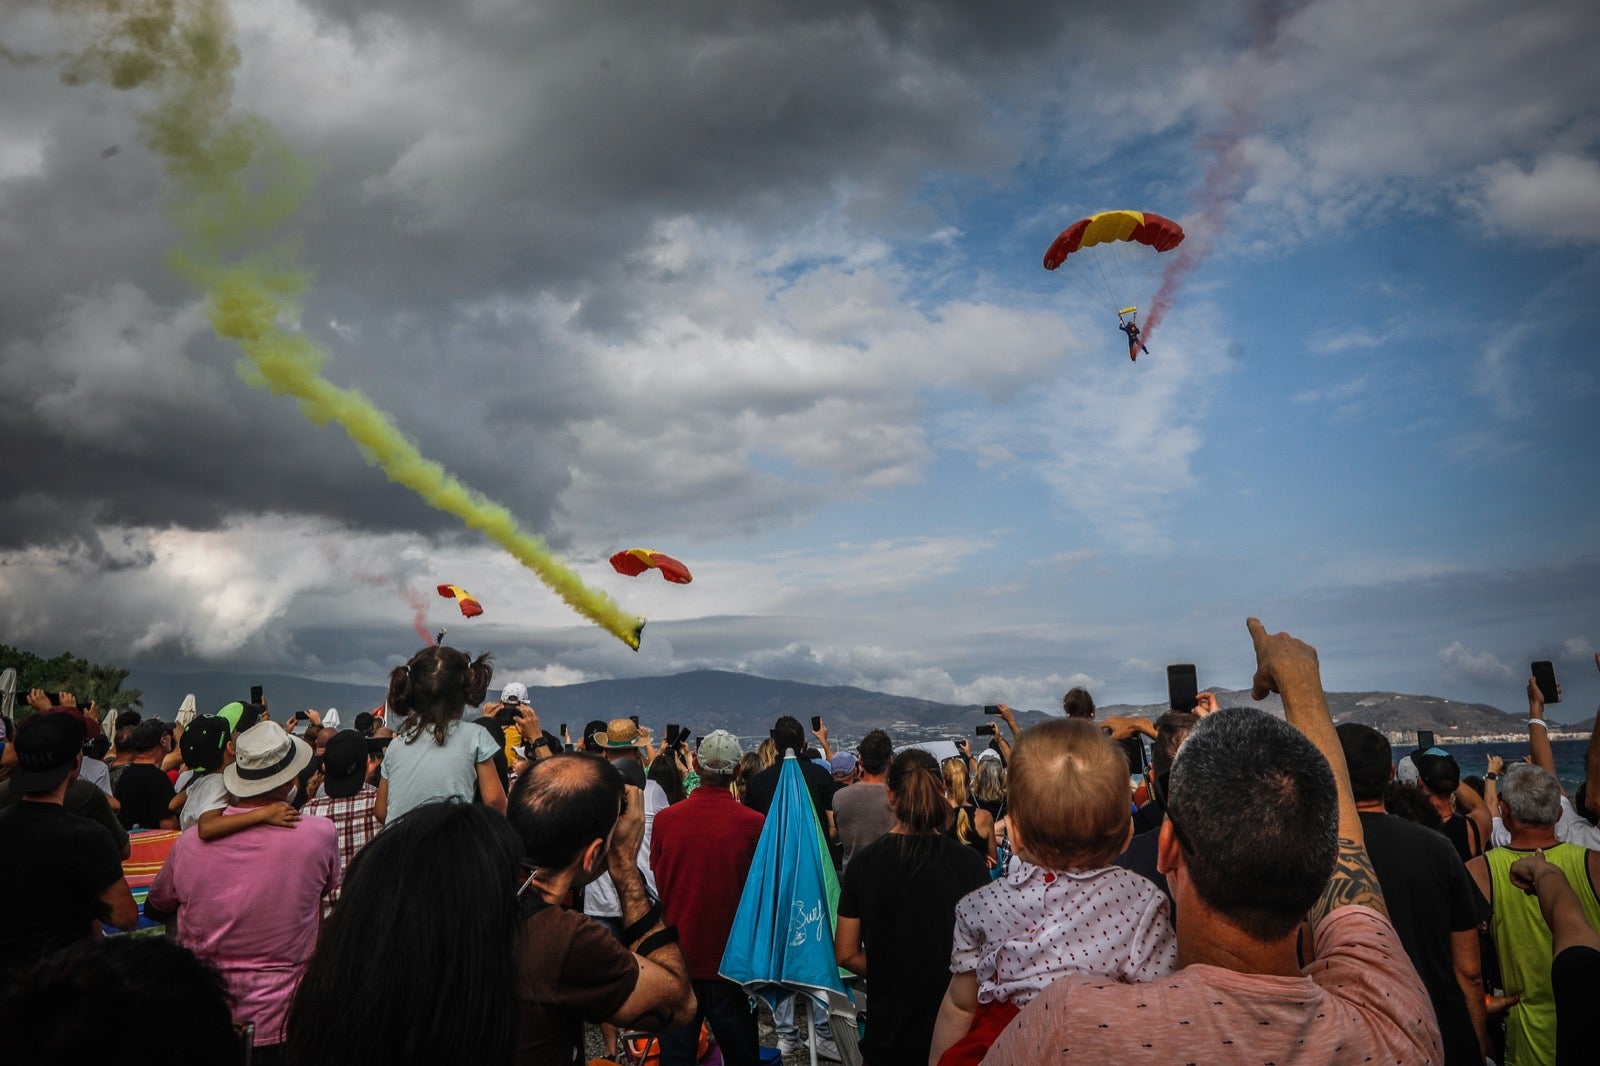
point(81, 798)
point(1244, 886)
point(1575, 944)
point(701, 853)
point(861, 811)
point(57, 1011)
point(1529, 801)
point(63, 872)
point(250, 903)
point(143, 789)
point(576, 817)
point(1062, 907)
point(1462, 815)
point(789, 735)
point(207, 748)
point(347, 800)
point(1429, 898)
point(1572, 827)
point(846, 767)
point(438, 756)
point(620, 742)
point(455, 859)
point(971, 825)
point(897, 906)
point(1135, 345)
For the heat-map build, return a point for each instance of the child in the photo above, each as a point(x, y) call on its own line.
point(1061, 908)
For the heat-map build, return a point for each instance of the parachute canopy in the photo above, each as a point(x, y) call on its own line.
point(636, 561)
point(1115, 257)
point(470, 607)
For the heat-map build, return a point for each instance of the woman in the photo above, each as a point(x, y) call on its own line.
point(972, 825)
point(437, 756)
point(666, 773)
point(749, 766)
point(989, 788)
point(429, 906)
point(897, 908)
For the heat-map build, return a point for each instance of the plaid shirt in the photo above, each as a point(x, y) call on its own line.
point(356, 821)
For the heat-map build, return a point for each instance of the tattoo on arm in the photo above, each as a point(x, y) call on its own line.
point(1353, 884)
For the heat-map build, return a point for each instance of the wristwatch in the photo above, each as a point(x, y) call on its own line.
point(1490, 777)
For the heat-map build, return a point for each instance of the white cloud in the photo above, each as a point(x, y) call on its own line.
point(1478, 666)
point(1556, 200)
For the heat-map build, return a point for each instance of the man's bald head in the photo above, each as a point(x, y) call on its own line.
point(561, 805)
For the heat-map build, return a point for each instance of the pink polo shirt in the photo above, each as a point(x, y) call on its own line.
point(249, 905)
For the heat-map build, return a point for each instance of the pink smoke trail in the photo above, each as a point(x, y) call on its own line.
point(1227, 170)
point(417, 600)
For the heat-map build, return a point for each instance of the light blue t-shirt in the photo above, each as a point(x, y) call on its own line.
point(421, 770)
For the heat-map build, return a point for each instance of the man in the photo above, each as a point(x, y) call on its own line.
point(347, 800)
point(85, 801)
point(63, 872)
point(143, 789)
point(620, 744)
point(1429, 898)
point(249, 903)
point(1261, 832)
point(1573, 827)
point(577, 818)
point(1575, 973)
point(861, 811)
point(701, 852)
point(1530, 803)
point(789, 735)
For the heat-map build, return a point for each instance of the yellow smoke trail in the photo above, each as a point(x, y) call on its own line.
point(239, 184)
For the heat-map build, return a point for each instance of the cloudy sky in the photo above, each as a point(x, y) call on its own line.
point(758, 284)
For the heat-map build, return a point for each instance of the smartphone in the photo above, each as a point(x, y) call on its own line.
point(1182, 686)
point(986, 729)
point(635, 718)
point(1424, 739)
point(991, 708)
point(816, 723)
point(1544, 675)
point(255, 694)
point(563, 729)
point(672, 733)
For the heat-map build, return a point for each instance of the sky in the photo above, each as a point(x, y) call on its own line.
point(759, 285)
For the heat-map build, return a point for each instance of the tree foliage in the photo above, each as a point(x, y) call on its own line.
point(67, 673)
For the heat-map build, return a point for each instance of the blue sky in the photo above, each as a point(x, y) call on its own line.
point(760, 286)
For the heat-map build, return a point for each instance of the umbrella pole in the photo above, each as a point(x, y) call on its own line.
point(811, 1027)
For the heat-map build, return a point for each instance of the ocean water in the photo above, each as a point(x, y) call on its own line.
point(1568, 754)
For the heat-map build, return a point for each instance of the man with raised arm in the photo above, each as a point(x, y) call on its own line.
point(1261, 835)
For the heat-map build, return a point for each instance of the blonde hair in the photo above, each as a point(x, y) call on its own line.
point(767, 753)
point(955, 786)
point(1068, 795)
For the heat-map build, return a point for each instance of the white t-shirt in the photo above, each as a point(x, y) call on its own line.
point(600, 895)
point(207, 792)
point(97, 773)
point(421, 770)
point(1571, 828)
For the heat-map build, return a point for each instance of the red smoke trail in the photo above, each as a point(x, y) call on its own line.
point(1227, 171)
point(415, 598)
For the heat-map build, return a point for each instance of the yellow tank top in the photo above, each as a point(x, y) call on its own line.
point(1524, 944)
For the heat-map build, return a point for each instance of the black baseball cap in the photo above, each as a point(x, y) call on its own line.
point(344, 764)
point(205, 742)
point(48, 746)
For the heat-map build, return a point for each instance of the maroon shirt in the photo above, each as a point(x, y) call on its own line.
point(700, 852)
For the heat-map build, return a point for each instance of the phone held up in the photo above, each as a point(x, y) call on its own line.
point(985, 729)
point(1183, 686)
point(816, 723)
point(1544, 675)
point(1424, 739)
point(991, 708)
point(673, 732)
point(255, 695)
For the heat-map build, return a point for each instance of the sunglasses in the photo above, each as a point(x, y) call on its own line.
point(1160, 785)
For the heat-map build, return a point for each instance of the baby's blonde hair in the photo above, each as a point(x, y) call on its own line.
point(1068, 794)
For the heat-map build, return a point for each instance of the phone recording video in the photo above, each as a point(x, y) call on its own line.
point(816, 723)
point(1544, 675)
point(255, 694)
point(1183, 686)
point(986, 729)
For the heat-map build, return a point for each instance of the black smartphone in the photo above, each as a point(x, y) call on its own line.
point(1544, 675)
point(635, 718)
point(991, 708)
point(1424, 739)
point(1183, 686)
point(255, 694)
point(563, 729)
point(816, 723)
point(986, 729)
point(672, 733)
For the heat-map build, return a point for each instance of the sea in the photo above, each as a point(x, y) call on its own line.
point(1473, 757)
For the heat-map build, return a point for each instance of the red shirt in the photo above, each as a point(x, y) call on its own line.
point(701, 850)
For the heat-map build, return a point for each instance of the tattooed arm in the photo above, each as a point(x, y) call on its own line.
point(1289, 667)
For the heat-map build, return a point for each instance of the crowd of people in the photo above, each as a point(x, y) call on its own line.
point(429, 886)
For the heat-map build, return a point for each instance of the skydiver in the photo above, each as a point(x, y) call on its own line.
point(1135, 345)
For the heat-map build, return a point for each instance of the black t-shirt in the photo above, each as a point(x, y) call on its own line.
point(904, 889)
point(1429, 896)
point(57, 865)
point(819, 783)
point(86, 801)
point(146, 794)
point(1575, 977)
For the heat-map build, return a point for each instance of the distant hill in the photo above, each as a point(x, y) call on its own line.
point(747, 705)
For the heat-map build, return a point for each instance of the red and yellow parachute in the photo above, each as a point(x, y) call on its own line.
point(1116, 256)
point(636, 561)
point(470, 607)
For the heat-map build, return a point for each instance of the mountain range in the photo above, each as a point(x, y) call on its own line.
point(747, 705)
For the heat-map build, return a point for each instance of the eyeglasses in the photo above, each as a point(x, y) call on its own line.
point(1160, 786)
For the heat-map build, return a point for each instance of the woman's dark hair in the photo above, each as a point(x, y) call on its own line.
point(430, 903)
point(434, 688)
point(664, 772)
point(916, 792)
point(749, 766)
point(1411, 803)
point(53, 1011)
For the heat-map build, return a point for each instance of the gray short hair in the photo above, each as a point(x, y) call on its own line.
point(1532, 793)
